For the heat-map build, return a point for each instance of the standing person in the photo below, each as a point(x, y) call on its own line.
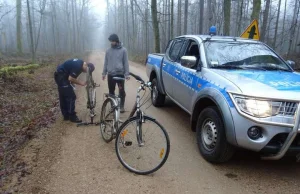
point(116, 65)
point(65, 75)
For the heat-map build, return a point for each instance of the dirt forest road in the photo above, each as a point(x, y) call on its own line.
point(77, 160)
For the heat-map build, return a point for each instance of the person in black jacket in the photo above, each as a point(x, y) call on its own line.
point(66, 74)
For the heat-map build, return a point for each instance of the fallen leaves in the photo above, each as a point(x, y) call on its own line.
point(28, 103)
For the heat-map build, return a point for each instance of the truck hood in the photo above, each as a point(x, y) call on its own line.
point(274, 84)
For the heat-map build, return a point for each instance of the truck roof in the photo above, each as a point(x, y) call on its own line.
point(229, 38)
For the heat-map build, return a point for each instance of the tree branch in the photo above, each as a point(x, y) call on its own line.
point(6, 13)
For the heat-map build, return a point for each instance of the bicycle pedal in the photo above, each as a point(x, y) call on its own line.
point(128, 143)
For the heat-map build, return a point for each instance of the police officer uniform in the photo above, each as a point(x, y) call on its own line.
point(67, 97)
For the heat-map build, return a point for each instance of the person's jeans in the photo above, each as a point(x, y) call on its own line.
point(112, 86)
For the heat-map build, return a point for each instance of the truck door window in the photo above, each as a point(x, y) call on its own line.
point(176, 47)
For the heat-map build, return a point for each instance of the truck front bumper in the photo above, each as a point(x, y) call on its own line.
point(289, 140)
point(269, 132)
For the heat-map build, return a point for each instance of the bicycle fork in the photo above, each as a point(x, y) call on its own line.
point(139, 129)
point(117, 117)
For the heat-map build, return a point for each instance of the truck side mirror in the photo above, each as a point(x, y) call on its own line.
point(291, 63)
point(188, 61)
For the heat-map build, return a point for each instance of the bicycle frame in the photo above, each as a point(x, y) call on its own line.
point(136, 109)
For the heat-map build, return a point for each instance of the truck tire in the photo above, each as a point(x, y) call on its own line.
point(211, 137)
point(158, 99)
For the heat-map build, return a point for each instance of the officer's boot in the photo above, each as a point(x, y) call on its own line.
point(75, 119)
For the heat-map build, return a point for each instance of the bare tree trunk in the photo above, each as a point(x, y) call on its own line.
point(40, 25)
point(186, 4)
point(265, 21)
point(74, 28)
point(31, 32)
point(19, 24)
point(283, 25)
point(293, 27)
point(179, 18)
point(53, 27)
point(127, 26)
point(256, 9)
point(155, 25)
point(276, 27)
point(240, 18)
point(227, 9)
point(116, 17)
point(201, 19)
point(123, 21)
point(145, 30)
point(133, 27)
point(172, 19)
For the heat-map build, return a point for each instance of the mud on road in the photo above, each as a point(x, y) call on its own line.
point(76, 160)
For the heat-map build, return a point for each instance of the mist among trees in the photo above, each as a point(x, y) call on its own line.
point(49, 27)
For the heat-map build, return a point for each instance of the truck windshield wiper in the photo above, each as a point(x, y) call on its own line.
point(227, 67)
point(277, 69)
point(255, 68)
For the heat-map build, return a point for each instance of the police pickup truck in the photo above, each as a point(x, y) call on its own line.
point(239, 93)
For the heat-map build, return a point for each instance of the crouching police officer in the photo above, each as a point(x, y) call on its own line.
point(65, 75)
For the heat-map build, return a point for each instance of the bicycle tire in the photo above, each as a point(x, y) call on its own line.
point(90, 90)
point(118, 144)
point(103, 121)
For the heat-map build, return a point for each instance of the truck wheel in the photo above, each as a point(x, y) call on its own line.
point(211, 137)
point(158, 99)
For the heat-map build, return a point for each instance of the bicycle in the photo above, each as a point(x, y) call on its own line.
point(91, 98)
point(135, 140)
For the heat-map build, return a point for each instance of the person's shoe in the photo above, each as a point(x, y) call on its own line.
point(66, 118)
point(122, 110)
point(75, 119)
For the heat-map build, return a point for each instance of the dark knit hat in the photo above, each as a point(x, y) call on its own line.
point(113, 38)
point(91, 67)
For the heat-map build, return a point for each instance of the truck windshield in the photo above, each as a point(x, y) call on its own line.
point(243, 55)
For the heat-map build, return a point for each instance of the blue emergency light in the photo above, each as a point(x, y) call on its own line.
point(212, 30)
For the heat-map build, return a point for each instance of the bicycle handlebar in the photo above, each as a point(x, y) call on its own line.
point(138, 78)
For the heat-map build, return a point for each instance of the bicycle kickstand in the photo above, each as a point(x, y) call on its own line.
point(88, 123)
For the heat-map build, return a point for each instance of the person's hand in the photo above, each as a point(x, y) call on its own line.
point(128, 78)
point(83, 83)
point(103, 77)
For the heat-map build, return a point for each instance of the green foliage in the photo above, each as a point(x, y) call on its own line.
point(10, 70)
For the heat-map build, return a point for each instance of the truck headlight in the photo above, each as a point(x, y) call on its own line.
point(256, 107)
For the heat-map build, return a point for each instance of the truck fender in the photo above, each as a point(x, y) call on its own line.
point(155, 73)
point(213, 97)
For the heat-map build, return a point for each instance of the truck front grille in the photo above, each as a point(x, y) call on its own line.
point(288, 108)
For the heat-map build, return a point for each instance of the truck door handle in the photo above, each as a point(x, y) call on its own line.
point(164, 64)
point(177, 71)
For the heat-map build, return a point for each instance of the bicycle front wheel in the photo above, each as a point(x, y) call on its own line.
point(108, 120)
point(150, 154)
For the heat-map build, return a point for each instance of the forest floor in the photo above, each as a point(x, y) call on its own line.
point(48, 155)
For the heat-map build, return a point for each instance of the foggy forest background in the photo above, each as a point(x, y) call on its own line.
point(50, 27)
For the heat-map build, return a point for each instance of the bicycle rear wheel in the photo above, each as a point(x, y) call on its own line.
point(150, 156)
point(108, 120)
